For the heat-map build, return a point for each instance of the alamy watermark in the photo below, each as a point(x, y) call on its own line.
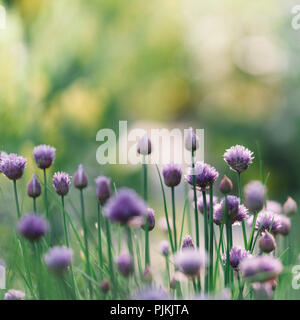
point(295, 23)
point(167, 146)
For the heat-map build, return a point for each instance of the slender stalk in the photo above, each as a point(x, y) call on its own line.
point(227, 222)
point(186, 193)
point(206, 238)
point(110, 257)
point(100, 254)
point(145, 191)
point(64, 221)
point(174, 217)
point(211, 238)
point(195, 202)
point(86, 243)
point(250, 242)
point(45, 194)
point(168, 269)
point(130, 247)
point(241, 201)
point(34, 205)
point(240, 286)
point(16, 199)
point(218, 253)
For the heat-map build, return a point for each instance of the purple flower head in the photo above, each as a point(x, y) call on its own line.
point(236, 256)
point(61, 183)
point(260, 268)
point(103, 191)
point(262, 290)
point(234, 208)
point(151, 293)
point(44, 156)
point(187, 242)
point(219, 213)
point(204, 174)
point(144, 146)
point(191, 141)
point(200, 203)
point(285, 225)
point(226, 185)
point(274, 206)
point(267, 242)
point(80, 178)
point(238, 158)
point(267, 220)
point(164, 248)
point(125, 205)
point(12, 166)
point(290, 207)
point(242, 214)
point(32, 226)
point(124, 264)
point(189, 261)
point(14, 295)
point(150, 215)
point(34, 189)
point(172, 174)
point(58, 259)
point(255, 193)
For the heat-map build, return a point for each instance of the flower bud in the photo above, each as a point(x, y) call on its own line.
point(105, 286)
point(80, 178)
point(34, 189)
point(61, 183)
point(226, 185)
point(103, 190)
point(172, 175)
point(191, 141)
point(144, 145)
point(290, 207)
point(164, 248)
point(267, 242)
point(150, 216)
point(124, 263)
point(255, 193)
point(187, 242)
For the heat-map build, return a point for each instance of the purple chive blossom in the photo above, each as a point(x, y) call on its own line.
point(236, 256)
point(189, 261)
point(267, 242)
point(14, 295)
point(151, 220)
point(58, 259)
point(103, 191)
point(285, 225)
point(124, 206)
point(32, 226)
point(267, 220)
point(164, 248)
point(262, 291)
point(274, 206)
point(80, 178)
point(124, 264)
point(12, 166)
point(225, 185)
point(61, 183)
point(172, 174)
point(44, 156)
point(236, 212)
point(34, 189)
point(261, 268)
point(255, 193)
point(204, 173)
point(200, 203)
point(191, 141)
point(144, 146)
point(290, 207)
point(238, 158)
point(151, 293)
point(187, 242)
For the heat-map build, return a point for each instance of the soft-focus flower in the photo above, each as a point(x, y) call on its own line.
point(58, 259)
point(12, 166)
point(225, 185)
point(204, 175)
point(44, 156)
point(261, 268)
point(124, 264)
point(273, 206)
point(124, 205)
point(144, 146)
point(262, 291)
point(238, 158)
point(267, 220)
point(162, 222)
point(80, 178)
point(255, 193)
point(34, 189)
point(164, 248)
point(236, 256)
point(200, 203)
point(103, 191)
point(285, 225)
point(290, 207)
point(32, 226)
point(191, 141)
point(105, 286)
point(14, 295)
point(189, 261)
point(151, 293)
point(172, 174)
point(187, 242)
point(150, 216)
point(267, 242)
point(61, 183)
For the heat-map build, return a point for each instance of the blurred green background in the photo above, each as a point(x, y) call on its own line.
point(71, 67)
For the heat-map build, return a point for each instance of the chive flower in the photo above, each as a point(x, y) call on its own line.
point(80, 179)
point(150, 215)
point(172, 174)
point(164, 248)
point(124, 263)
point(200, 203)
point(290, 207)
point(34, 189)
point(267, 242)
point(236, 256)
point(204, 175)
point(44, 156)
point(12, 166)
point(58, 259)
point(267, 220)
point(14, 295)
point(255, 193)
point(238, 158)
point(191, 140)
point(124, 206)
point(33, 226)
point(187, 242)
point(273, 206)
point(103, 191)
point(144, 146)
point(236, 212)
point(285, 225)
point(225, 185)
point(61, 183)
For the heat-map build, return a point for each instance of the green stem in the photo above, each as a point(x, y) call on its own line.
point(195, 202)
point(100, 240)
point(211, 246)
point(168, 269)
point(206, 237)
point(64, 221)
point(46, 203)
point(145, 190)
point(250, 242)
point(227, 222)
point(241, 202)
point(174, 217)
point(16, 199)
point(34, 205)
point(110, 257)
point(130, 247)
